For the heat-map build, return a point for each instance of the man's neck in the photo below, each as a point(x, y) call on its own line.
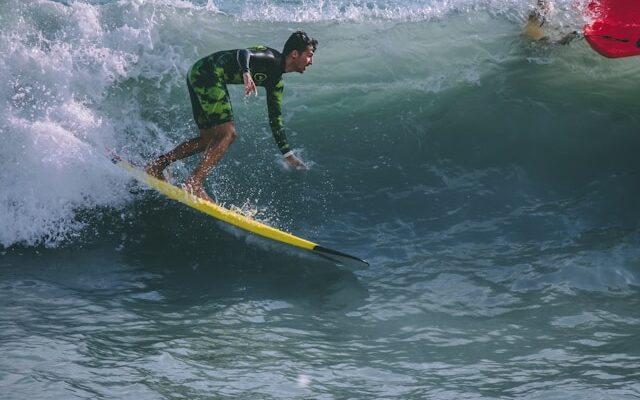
point(288, 64)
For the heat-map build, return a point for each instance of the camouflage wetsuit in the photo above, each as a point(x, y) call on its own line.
point(208, 78)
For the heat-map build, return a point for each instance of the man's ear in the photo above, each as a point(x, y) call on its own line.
point(295, 54)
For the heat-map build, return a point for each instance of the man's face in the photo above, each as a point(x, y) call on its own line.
point(302, 60)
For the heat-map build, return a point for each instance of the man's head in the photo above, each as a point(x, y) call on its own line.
point(298, 51)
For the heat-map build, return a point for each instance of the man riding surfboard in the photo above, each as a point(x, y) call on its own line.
point(207, 84)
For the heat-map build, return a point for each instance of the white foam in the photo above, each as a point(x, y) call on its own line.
point(56, 65)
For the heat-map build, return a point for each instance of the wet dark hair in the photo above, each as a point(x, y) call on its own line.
point(299, 40)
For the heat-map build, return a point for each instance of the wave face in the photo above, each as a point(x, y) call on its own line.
point(406, 97)
point(492, 183)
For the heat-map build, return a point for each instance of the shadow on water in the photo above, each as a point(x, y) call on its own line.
point(164, 291)
point(162, 251)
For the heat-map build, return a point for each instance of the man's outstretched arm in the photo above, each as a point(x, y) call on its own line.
point(274, 107)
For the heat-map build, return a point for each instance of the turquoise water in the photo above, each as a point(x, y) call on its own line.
point(492, 183)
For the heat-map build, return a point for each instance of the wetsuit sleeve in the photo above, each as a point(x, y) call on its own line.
point(243, 56)
point(274, 107)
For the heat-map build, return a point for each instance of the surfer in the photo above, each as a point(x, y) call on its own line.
point(534, 30)
point(537, 17)
point(207, 84)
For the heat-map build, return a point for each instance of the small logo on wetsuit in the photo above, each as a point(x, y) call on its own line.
point(260, 77)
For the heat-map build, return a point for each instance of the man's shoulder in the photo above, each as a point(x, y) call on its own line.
point(263, 49)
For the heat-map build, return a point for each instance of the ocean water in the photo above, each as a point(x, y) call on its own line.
point(492, 183)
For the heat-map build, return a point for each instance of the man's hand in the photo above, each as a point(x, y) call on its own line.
point(249, 84)
point(295, 162)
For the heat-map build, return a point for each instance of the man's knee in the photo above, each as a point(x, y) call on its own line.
point(231, 134)
point(227, 132)
point(220, 133)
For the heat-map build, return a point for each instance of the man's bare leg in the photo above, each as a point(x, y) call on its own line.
point(183, 150)
point(218, 140)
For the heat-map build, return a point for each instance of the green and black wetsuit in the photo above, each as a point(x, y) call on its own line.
point(208, 78)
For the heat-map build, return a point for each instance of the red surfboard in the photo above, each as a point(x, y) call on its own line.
point(615, 29)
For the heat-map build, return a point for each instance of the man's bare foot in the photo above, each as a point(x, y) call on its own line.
point(196, 190)
point(155, 169)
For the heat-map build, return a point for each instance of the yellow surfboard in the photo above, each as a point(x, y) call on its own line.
point(233, 218)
